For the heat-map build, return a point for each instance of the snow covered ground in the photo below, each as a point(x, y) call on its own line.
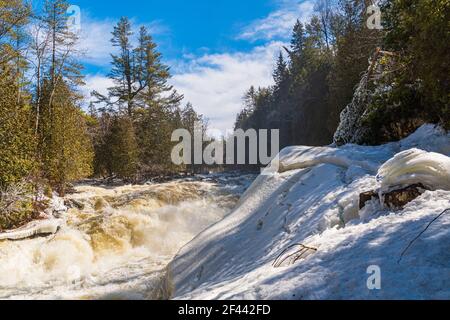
point(314, 200)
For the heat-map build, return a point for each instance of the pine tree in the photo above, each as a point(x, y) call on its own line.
point(159, 105)
point(14, 14)
point(418, 33)
point(280, 74)
point(296, 52)
point(128, 70)
point(298, 39)
point(142, 93)
point(151, 73)
point(249, 100)
point(123, 69)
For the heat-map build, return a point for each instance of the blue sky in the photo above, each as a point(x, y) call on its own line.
point(216, 49)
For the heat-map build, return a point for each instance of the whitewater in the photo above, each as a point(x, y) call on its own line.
point(116, 242)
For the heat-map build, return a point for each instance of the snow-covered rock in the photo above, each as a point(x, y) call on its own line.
point(48, 223)
point(416, 166)
point(314, 200)
point(34, 228)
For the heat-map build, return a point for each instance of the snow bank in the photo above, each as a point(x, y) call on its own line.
point(416, 166)
point(368, 158)
point(313, 200)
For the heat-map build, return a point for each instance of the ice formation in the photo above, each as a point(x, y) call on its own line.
point(416, 166)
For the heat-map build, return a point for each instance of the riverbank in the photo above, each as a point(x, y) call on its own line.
point(303, 233)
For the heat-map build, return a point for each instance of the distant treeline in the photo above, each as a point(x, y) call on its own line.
point(316, 76)
point(133, 124)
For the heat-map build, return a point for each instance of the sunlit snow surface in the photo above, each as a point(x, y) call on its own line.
point(314, 200)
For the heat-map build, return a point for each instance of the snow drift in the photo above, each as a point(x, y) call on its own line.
point(416, 166)
point(313, 201)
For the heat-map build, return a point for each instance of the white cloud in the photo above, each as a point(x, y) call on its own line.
point(95, 42)
point(95, 39)
point(215, 83)
point(97, 82)
point(278, 24)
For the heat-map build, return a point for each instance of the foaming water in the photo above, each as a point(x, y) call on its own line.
point(117, 244)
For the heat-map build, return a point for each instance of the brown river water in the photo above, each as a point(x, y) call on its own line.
point(118, 242)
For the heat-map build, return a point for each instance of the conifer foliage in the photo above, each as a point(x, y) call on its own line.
point(329, 56)
point(140, 112)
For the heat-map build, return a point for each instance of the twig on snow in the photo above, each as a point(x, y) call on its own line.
point(420, 234)
point(297, 255)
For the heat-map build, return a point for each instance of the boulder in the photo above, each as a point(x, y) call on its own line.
point(397, 199)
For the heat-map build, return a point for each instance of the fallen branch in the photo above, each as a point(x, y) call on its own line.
point(294, 257)
point(420, 234)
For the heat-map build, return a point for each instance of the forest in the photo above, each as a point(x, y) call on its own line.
point(47, 138)
point(385, 79)
point(337, 82)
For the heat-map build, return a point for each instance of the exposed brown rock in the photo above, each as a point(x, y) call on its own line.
point(367, 196)
point(72, 203)
point(397, 199)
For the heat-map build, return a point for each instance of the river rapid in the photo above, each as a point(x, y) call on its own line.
point(117, 241)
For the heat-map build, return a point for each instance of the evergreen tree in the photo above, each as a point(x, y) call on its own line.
point(296, 53)
point(17, 143)
point(355, 44)
point(99, 132)
point(151, 73)
point(122, 148)
point(190, 120)
point(280, 74)
point(142, 93)
point(14, 14)
point(66, 146)
point(418, 32)
point(123, 73)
